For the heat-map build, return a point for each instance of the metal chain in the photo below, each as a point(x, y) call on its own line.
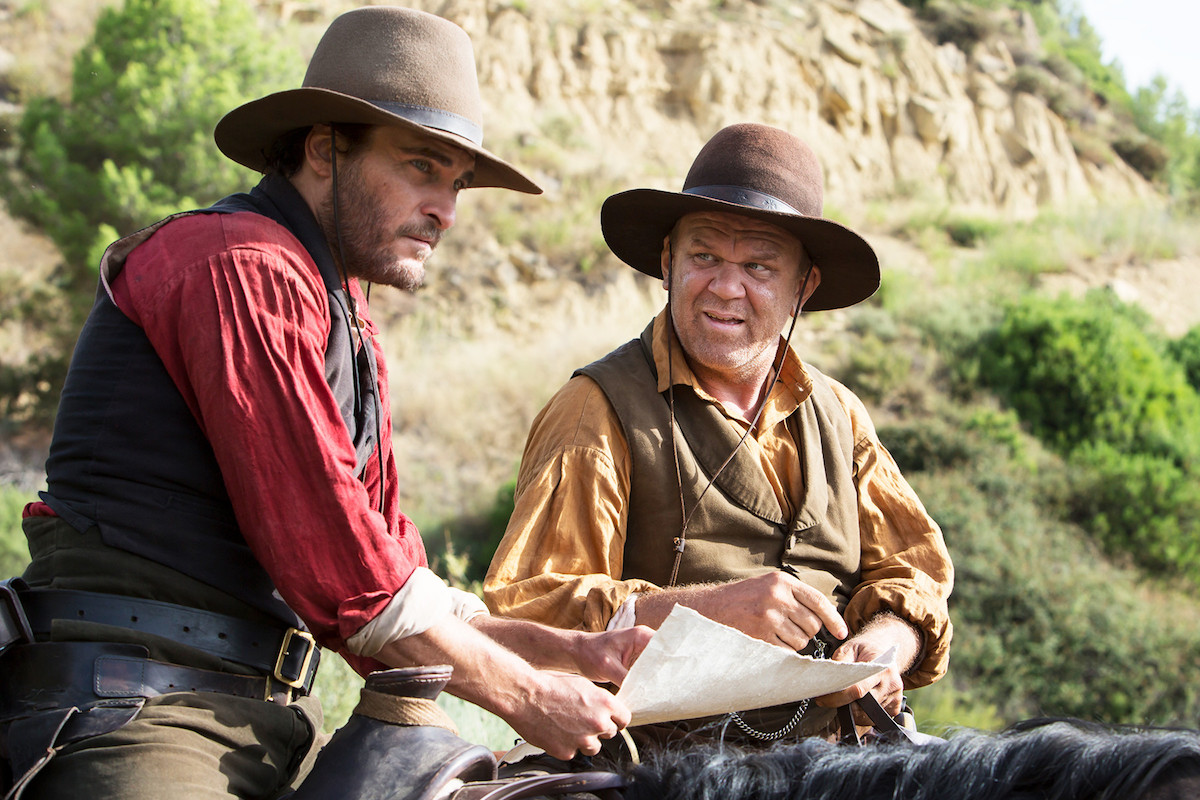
point(771, 736)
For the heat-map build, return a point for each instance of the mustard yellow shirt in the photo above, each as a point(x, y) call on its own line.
point(561, 557)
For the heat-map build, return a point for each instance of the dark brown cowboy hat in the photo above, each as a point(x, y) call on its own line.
point(760, 172)
point(379, 65)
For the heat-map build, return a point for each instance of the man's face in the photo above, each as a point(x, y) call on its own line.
point(734, 282)
point(397, 195)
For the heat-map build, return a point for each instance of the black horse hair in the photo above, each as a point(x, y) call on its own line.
point(1045, 759)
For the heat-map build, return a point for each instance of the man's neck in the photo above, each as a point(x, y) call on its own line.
point(745, 391)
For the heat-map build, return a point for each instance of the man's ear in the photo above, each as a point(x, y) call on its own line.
point(665, 262)
point(318, 146)
point(814, 280)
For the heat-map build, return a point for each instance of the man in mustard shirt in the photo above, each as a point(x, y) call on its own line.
point(704, 464)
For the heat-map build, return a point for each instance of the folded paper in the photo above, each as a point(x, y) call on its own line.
point(695, 667)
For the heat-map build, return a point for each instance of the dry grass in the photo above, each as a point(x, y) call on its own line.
point(465, 390)
point(43, 36)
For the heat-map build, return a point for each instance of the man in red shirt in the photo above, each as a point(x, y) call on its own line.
point(221, 489)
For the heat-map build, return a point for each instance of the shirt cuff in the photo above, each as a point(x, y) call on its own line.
point(465, 605)
point(422, 602)
point(626, 616)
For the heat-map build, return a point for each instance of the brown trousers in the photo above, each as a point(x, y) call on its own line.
point(182, 745)
point(189, 745)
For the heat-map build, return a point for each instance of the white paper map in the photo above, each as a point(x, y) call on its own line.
point(694, 667)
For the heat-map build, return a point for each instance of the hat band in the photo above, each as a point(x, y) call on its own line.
point(742, 196)
point(434, 118)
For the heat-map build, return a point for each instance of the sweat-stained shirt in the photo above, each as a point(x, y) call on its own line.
point(562, 555)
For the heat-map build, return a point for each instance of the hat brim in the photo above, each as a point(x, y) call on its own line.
point(247, 132)
point(636, 222)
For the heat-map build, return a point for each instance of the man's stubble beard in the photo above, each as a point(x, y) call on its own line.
point(366, 246)
point(743, 362)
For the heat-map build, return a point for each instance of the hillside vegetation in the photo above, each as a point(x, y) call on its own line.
point(1032, 359)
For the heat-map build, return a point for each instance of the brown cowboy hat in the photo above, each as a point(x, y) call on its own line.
point(379, 65)
point(760, 172)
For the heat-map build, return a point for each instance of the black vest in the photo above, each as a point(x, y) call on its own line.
point(128, 456)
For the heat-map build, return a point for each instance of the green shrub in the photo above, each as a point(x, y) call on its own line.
point(1147, 156)
point(1043, 625)
point(1087, 379)
point(874, 364)
point(971, 231)
point(1080, 371)
point(133, 143)
point(927, 444)
point(1140, 504)
point(14, 553)
point(962, 24)
point(1186, 350)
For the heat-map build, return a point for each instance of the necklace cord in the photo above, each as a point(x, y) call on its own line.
point(679, 543)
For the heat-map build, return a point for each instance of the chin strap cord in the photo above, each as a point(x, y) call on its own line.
point(679, 543)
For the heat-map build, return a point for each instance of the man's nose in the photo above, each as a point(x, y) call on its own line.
point(727, 281)
point(441, 206)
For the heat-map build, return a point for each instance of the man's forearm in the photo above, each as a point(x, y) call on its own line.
point(604, 657)
point(907, 638)
point(654, 606)
point(540, 645)
point(485, 673)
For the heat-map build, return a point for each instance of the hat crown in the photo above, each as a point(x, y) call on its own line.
point(401, 58)
point(761, 159)
point(378, 65)
point(756, 171)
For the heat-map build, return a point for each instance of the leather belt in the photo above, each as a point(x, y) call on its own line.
point(49, 675)
point(290, 656)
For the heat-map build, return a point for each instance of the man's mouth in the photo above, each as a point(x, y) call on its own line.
point(428, 237)
point(723, 319)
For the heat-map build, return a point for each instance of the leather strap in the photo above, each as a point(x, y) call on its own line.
point(604, 784)
point(885, 726)
point(49, 675)
point(290, 655)
point(116, 676)
point(882, 722)
point(14, 626)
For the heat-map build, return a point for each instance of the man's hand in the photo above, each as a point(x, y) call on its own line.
point(775, 607)
point(558, 712)
point(564, 713)
point(880, 634)
point(606, 657)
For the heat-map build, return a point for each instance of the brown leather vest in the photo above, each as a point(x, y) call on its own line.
point(738, 530)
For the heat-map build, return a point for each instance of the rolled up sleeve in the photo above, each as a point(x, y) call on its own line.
point(565, 541)
point(905, 568)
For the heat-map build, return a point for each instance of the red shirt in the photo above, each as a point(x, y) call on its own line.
point(237, 310)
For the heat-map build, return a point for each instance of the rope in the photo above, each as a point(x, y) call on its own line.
point(403, 710)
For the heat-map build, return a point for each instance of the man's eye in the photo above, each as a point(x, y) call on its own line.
point(754, 266)
point(422, 165)
point(704, 257)
point(460, 184)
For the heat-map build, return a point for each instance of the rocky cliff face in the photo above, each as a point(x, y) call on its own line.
point(644, 84)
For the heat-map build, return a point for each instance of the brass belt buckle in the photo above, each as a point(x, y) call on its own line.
point(288, 636)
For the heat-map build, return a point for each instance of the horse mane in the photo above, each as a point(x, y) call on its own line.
point(1047, 759)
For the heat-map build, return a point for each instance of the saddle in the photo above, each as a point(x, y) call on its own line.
point(400, 745)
